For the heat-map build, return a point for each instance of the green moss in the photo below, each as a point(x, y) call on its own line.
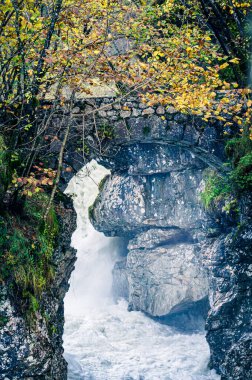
point(3, 320)
point(102, 182)
point(237, 148)
point(106, 131)
point(33, 207)
point(216, 189)
point(239, 151)
point(241, 176)
point(91, 211)
point(52, 329)
point(27, 244)
point(237, 181)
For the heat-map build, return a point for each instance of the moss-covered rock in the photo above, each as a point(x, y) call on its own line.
point(32, 291)
point(27, 243)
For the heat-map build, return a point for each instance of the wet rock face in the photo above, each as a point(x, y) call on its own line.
point(229, 329)
point(157, 157)
point(165, 272)
point(27, 353)
point(165, 278)
point(120, 284)
point(36, 351)
point(134, 203)
point(156, 204)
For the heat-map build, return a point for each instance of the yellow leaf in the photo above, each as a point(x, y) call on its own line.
point(224, 65)
point(221, 118)
point(234, 60)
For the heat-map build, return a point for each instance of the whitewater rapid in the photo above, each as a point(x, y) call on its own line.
point(102, 340)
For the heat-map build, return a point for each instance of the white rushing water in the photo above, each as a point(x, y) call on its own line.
point(102, 340)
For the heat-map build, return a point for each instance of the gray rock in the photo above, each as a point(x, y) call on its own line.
point(136, 112)
point(125, 114)
point(36, 351)
point(156, 237)
point(107, 107)
point(229, 329)
point(120, 284)
point(152, 198)
point(164, 279)
point(171, 110)
point(102, 113)
point(120, 206)
point(148, 111)
point(89, 109)
point(160, 110)
point(164, 159)
point(133, 203)
point(111, 113)
point(117, 106)
point(76, 110)
point(175, 131)
point(142, 105)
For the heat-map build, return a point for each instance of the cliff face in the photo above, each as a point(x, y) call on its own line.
point(34, 350)
point(229, 331)
point(178, 254)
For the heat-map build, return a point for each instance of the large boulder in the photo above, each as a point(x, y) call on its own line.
point(155, 202)
point(135, 203)
point(164, 272)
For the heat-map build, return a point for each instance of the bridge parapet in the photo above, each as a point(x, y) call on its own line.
point(117, 132)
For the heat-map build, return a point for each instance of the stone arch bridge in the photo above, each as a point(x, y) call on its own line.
point(178, 256)
point(117, 133)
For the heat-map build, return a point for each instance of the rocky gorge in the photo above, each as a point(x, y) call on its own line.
point(184, 264)
point(179, 254)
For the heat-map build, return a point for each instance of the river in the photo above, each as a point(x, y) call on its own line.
point(102, 340)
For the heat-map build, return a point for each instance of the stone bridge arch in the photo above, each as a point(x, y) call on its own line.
point(157, 157)
point(118, 132)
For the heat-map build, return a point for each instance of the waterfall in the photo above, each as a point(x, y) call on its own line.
point(92, 279)
point(102, 340)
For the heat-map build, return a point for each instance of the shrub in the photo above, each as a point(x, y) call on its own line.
point(216, 189)
point(237, 148)
point(239, 180)
point(241, 176)
point(27, 244)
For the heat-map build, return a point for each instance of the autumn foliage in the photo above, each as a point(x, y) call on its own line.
point(192, 55)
